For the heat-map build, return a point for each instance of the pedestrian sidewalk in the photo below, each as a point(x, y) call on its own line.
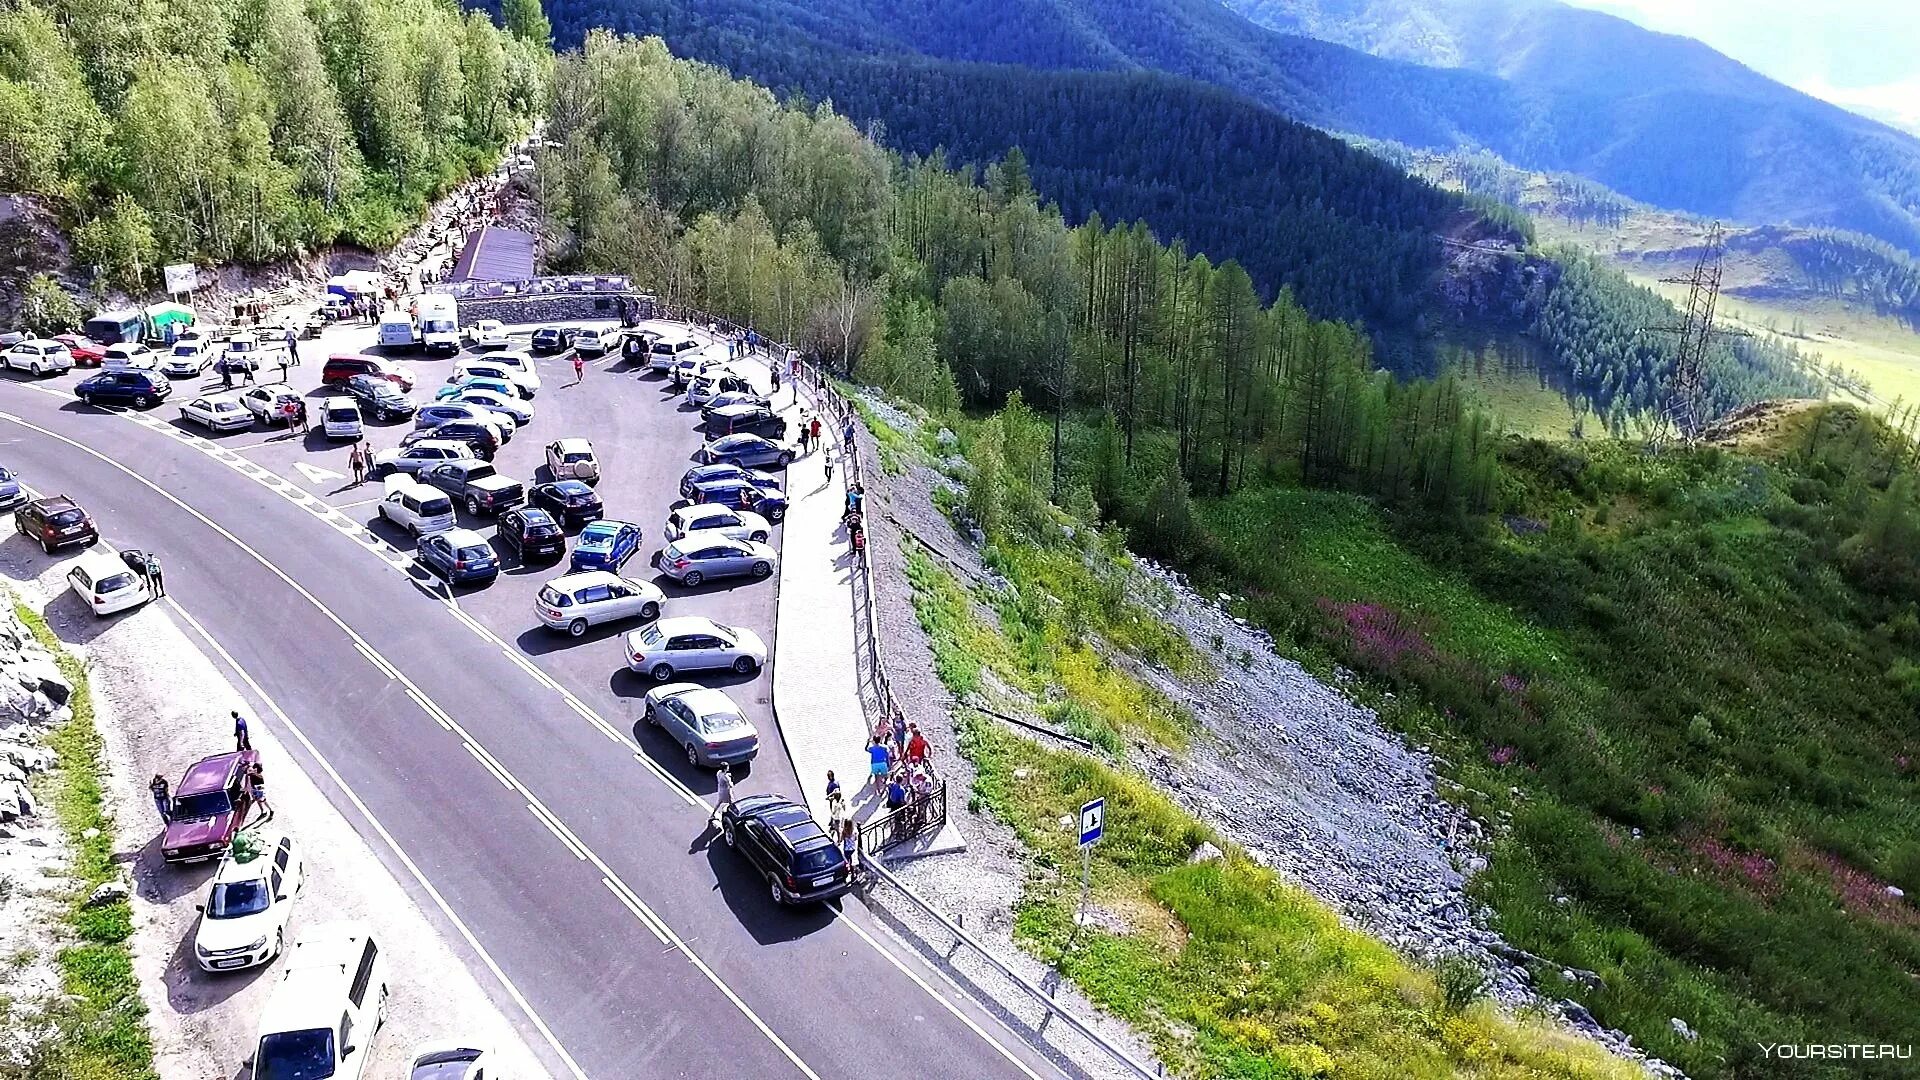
point(818, 687)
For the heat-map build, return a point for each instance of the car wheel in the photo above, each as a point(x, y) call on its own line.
point(473, 505)
point(577, 627)
point(761, 569)
point(662, 672)
point(36, 370)
point(693, 578)
point(744, 665)
point(693, 756)
point(86, 399)
point(46, 546)
point(651, 716)
point(779, 894)
point(726, 832)
point(786, 459)
point(415, 530)
point(758, 537)
point(279, 941)
point(144, 401)
point(649, 611)
point(777, 516)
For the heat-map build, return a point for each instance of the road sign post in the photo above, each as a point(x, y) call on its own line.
point(1093, 822)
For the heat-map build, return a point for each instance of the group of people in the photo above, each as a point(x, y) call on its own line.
point(253, 793)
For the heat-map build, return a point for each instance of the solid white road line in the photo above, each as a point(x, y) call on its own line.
point(646, 918)
point(488, 765)
point(558, 831)
point(393, 845)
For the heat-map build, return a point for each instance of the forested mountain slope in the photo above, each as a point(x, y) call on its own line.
point(1662, 119)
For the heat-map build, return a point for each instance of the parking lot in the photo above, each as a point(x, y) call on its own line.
point(643, 432)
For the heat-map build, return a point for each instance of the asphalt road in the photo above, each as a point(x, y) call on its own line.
point(527, 806)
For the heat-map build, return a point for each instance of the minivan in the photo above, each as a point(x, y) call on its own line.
point(415, 507)
point(107, 583)
point(340, 417)
point(396, 330)
point(669, 351)
point(327, 1007)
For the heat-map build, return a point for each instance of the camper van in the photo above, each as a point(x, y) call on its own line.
point(439, 324)
point(396, 330)
point(114, 327)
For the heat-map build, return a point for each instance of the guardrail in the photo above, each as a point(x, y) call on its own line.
point(896, 827)
point(1040, 995)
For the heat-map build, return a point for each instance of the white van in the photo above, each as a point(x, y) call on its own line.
point(108, 583)
point(340, 418)
point(717, 379)
point(396, 330)
point(327, 1007)
point(670, 350)
point(439, 324)
point(415, 507)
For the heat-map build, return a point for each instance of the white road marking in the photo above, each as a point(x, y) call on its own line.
point(315, 474)
point(392, 845)
point(336, 518)
point(488, 765)
point(375, 659)
point(429, 708)
point(633, 904)
point(558, 831)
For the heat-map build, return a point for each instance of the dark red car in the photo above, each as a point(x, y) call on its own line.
point(208, 805)
point(86, 352)
point(343, 366)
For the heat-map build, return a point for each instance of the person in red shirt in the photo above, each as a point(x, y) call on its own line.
point(916, 746)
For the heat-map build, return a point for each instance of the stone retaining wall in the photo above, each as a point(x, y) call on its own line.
point(549, 307)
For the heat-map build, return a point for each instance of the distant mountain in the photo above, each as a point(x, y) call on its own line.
point(1661, 118)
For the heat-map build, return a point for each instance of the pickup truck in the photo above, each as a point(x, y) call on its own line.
point(475, 484)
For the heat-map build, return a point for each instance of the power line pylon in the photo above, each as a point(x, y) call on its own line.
point(1685, 411)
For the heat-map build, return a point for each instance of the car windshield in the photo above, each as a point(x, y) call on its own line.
point(438, 326)
point(436, 507)
point(580, 498)
point(817, 860)
point(718, 721)
point(591, 535)
point(204, 805)
point(67, 517)
point(186, 350)
point(572, 456)
point(553, 597)
point(480, 472)
point(232, 899)
point(475, 551)
point(341, 416)
point(650, 635)
point(295, 1055)
point(112, 583)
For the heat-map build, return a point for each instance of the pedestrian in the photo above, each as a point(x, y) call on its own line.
point(776, 381)
point(846, 434)
point(815, 425)
point(722, 795)
point(849, 843)
point(300, 415)
point(829, 467)
point(156, 578)
point(877, 763)
point(804, 433)
point(357, 460)
point(916, 746)
point(896, 793)
point(899, 738)
point(293, 349)
point(579, 367)
point(833, 786)
point(226, 374)
point(854, 496)
point(241, 740)
point(162, 801)
point(257, 790)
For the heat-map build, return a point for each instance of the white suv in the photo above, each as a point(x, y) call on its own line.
point(330, 1002)
point(38, 356)
point(243, 922)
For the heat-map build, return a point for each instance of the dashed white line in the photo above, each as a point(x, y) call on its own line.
point(558, 831)
point(488, 765)
point(376, 660)
point(632, 903)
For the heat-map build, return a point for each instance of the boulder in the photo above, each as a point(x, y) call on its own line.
point(1681, 1029)
point(16, 801)
point(107, 892)
point(1206, 852)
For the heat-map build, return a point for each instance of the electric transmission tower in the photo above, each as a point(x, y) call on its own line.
point(1687, 386)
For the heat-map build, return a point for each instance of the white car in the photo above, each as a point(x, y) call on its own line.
point(521, 411)
point(38, 356)
point(243, 922)
point(573, 459)
point(692, 643)
point(340, 418)
point(705, 722)
point(448, 1059)
point(188, 358)
point(421, 455)
point(715, 517)
point(439, 412)
point(591, 597)
point(327, 1008)
point(487, 334)
point(268, 403)
point(591, 342)
point(520, 370)
point(490, 367)
point(218, 412)
point(130, 356)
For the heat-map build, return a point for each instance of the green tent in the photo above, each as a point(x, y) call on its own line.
point(161, 316)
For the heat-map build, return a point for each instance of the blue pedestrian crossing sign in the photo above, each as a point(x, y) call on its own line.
point(1093, 821)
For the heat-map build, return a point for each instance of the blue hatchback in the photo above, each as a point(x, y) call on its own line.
point(605, 545)
point(12, 495)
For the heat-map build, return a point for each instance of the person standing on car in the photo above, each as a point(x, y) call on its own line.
point(162, 800)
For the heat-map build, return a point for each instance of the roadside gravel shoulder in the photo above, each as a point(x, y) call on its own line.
point(162, 704)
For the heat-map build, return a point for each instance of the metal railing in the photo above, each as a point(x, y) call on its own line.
point(898, 826)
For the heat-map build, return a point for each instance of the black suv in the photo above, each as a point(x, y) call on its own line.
point(381, 397)
point(779, 836)
point(532, 535)
point(554, 338)
point(55, 521)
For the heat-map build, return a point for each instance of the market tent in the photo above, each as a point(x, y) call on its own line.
point(356, 283)
point(161, 316)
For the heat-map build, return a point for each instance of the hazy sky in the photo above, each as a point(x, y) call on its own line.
point(1864, 54)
